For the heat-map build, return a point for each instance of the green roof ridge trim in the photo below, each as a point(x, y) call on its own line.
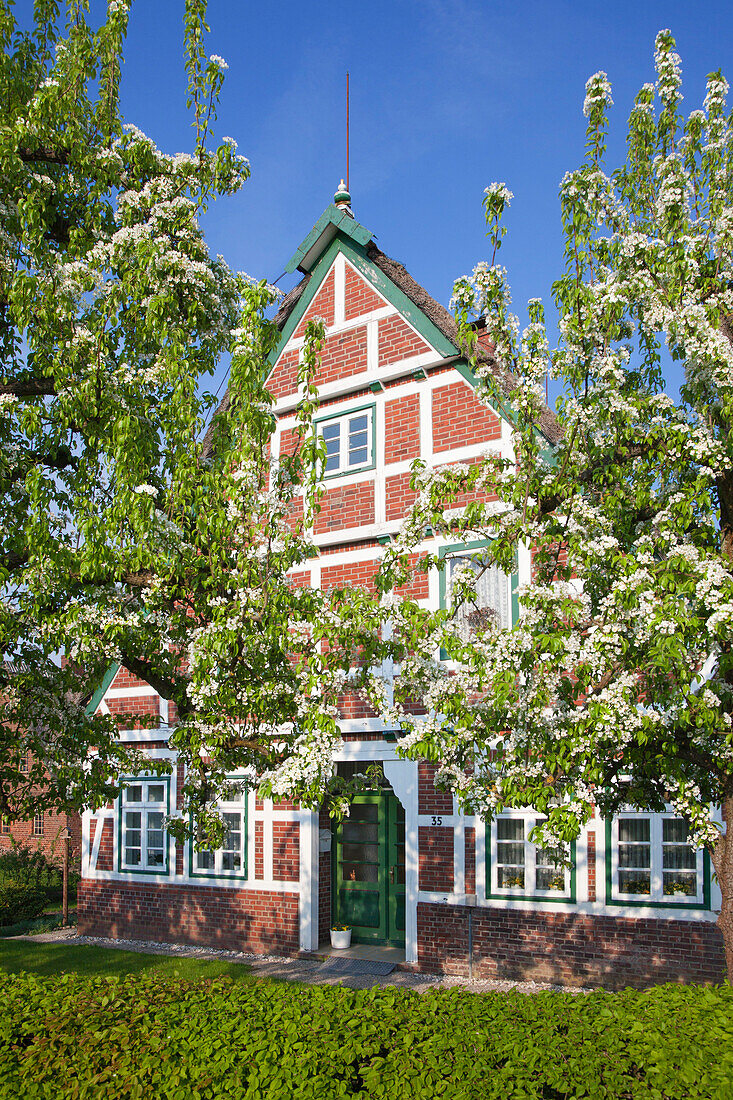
point(331, 221)
point(101, 691)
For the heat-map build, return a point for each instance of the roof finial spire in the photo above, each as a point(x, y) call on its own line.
point(342, 198)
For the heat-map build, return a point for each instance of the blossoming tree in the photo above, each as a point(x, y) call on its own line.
point(615, 684)
point(121, 536)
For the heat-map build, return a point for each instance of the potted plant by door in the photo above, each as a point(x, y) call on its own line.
point(340, 936)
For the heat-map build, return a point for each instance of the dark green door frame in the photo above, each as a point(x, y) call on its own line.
point(368, 870)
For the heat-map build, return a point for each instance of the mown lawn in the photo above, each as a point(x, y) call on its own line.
point(52, 959)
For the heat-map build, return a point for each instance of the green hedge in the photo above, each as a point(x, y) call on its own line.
point(19, 901)
point(140, 1037)
point(30, 865)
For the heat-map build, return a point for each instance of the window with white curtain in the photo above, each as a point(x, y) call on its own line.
point(488, 597)
point(519, 868)
point(652, 860)
point(231, 858)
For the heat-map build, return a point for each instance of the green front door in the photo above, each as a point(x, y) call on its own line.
point(369, 870)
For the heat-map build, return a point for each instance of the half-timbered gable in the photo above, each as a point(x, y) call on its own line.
point(406, 870)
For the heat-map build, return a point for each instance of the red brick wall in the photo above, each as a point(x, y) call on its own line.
point(360, 298)
point(321, 306)
point(50, 843)
point(591, 866)
point(106, 848)
point(399, 495)
point(417, 588)
point(459, 418)
point(137, 707)
point(567, 948)
point(290, 441)
point(431, 801)
point(259, 850)
point(435, 846)
point(285, 851)
point(351, 574)
point(346, 506)
point(125, 679)
point(245, 920)
point(284, 378)
point(470, 859)
point(343, 354)
point(351, 705)
point(402, 429)
point(397, 341)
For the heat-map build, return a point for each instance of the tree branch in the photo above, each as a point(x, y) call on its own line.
point(45, 153)
point(60, 459)
point(167, 688)
point(14, 560)
point(585, 477)
point(29, 387)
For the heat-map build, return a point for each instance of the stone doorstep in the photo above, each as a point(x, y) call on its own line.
point(324, 956)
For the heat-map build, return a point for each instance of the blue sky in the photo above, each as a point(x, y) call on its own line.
point(446, 96)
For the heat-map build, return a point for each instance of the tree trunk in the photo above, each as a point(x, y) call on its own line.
point(722, 856)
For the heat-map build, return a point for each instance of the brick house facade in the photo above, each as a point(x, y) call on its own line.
point(636, 904)
point(43, 833)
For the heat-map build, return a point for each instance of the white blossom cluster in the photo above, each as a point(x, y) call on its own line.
point(596, 694)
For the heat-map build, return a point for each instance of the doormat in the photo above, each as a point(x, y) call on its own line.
point(356, 967)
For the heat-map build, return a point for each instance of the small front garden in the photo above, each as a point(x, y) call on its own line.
point(31, 891)
point(147, 1034)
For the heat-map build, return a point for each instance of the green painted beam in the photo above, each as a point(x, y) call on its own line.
point(101, 691)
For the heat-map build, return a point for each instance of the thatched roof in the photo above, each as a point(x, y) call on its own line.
point(444, 321)
point(437, 313)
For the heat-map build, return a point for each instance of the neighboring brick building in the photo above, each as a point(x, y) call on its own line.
point(637, 904)
point(42, 833)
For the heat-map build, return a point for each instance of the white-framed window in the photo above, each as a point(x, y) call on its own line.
point(38, 825)
point(653, 861)
point(518, 868)
point(231, 858)
point(349, 441)
point(488, 597)
point(143, 839)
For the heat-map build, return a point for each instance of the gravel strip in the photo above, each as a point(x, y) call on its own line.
point(300, 970)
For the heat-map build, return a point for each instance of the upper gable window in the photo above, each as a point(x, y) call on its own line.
point(349, 441)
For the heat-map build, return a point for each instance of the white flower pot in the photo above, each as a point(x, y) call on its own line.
point(340, 940)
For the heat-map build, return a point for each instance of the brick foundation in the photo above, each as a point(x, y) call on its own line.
point(569, 949)
point(260, 921)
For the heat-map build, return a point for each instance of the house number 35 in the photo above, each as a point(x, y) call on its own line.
point(436, 820)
